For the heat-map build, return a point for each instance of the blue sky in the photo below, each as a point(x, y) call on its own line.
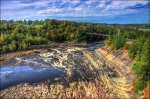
point(99, 11)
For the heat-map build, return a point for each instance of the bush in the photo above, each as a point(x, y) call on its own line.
point(117, 42)
point(131, 51)
point(140, 84)
point(5, 48)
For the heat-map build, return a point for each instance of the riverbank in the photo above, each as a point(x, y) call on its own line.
point(80, 80)
point(89, 74)
point(41, 49)
point(120, 62)
point(10, 55)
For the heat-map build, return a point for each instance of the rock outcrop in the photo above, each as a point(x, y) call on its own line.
point(89, 75)
point(120, 63)
point(82, 80)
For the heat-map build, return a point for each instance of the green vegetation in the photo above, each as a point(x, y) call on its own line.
point(141, 66)
point(19, 35)
point(33, 25)
point(116, 41)
point(139, 52)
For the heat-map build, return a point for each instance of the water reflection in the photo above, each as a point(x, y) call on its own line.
point(14, 75)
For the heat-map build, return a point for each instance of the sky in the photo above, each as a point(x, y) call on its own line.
point(97, 11)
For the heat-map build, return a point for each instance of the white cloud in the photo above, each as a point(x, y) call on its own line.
point(66, 1)
point(76, 1)
point(101, 5)
point(41, 3)
point(89, 2)
point(69, 8)
point(124, 4)
point(13, 5)
point(126, 11)
point(78, 8)
point(40, 12)
point(143, 2)
point(54, 10)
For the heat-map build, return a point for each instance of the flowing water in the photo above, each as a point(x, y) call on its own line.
point(38, 67)
point(29, 69)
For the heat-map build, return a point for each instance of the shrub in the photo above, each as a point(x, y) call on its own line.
point(131, 51)
point(140, 84)
point(117, 42)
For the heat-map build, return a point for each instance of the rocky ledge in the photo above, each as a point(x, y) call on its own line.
point(87, 75)
point(120, 63)
point(82, 79)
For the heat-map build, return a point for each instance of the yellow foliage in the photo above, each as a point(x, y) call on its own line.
point(77, 31)
point(124, 47)
point(107, 43)
point(1, 39)
point(71, 35)
point(47, 34)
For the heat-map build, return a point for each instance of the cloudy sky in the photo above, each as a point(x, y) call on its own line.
point(99, 11)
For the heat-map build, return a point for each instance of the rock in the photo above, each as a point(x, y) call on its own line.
point(140, 93)
point(142, 97)
point(82, 80)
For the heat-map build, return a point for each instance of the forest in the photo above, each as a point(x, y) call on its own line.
point(20, 34)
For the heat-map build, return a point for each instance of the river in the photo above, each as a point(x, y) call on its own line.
point(40, 67)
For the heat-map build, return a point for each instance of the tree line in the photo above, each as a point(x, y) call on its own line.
point(18, 35)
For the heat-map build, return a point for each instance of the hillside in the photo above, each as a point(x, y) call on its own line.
point(124, 82)
point(120, 62)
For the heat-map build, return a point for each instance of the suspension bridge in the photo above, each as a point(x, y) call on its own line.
point(97, 34)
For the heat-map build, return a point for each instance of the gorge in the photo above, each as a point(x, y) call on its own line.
point(87, 73)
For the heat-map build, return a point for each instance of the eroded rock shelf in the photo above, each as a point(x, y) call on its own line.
point(121, 64)
point(87, 75)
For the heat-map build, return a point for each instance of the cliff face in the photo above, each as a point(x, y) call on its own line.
point(120, 64)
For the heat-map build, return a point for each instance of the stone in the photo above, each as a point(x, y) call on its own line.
point(142, 97)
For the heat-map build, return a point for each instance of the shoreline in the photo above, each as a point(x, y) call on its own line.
point(10, 55)
point(80, 78)
point(81, 70)
point(28, 51)
point(41, 49)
